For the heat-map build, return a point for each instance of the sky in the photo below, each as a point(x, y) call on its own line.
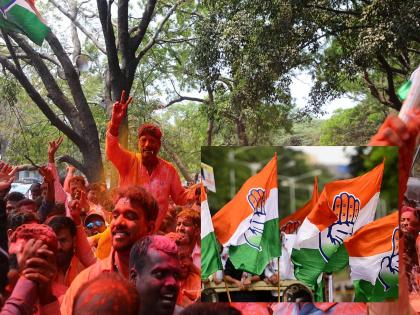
point(328, 155)
point(300, 88)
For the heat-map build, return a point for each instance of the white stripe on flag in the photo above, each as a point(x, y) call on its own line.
point(206, 223)
point(271, 207)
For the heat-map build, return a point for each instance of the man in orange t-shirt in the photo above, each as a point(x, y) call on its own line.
point(145, 168)
point(133, 217)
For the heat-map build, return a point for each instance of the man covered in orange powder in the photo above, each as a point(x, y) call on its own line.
point(145, 168)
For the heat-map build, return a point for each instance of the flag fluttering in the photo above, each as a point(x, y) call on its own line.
point(343, 208)
point(21, 16)
point(210, 258)
point(373, 259)
point(292, 222)
point(249, 225)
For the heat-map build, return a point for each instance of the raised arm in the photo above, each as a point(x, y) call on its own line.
point(60, 195)
point(120, 157)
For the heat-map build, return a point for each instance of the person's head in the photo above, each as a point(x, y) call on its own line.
point(12, 199)
point(107, 294)
point(409, 223)
point(149, 141)
point(133, 216)
point(154, 269)
point(188, 226)
point(17, 218)
point(185, 261)
point(76, 184)
point(27, 205)
point(94, 224)
point(93, 193)
point(34, 231)
point(65, 229)
point(35, 190)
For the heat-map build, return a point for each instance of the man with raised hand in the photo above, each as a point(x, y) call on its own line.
point(133, 217)
point(145, 168)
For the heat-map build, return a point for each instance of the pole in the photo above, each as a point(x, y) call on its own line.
point(278, 279)
point(330, 288)
point(227, 288)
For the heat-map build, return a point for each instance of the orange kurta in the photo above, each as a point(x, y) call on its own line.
point(106, 265)
point(190, 289)
point(163, 182)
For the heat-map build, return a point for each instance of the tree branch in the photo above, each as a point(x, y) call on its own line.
point(72, 161)
point(181, 99)
point(318, 7)
point(73, 82)
point(40, 102)
point(123, 36)
point(393, 98)
point(152, 41)
point(54, 91)
point(109, 36)
point(79, 26)
point(175, 158)
point(143, 25)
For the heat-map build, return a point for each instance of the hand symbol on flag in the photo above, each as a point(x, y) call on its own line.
point(389, 264)
point(346, 206)
point(290, 227)
point(256, 199)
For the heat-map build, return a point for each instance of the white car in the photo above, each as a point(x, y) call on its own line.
point(22, 188)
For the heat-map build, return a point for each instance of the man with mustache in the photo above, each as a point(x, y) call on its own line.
point(133, 217)
point(145, 168)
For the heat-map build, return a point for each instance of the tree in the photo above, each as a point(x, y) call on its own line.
point(353, 126)
point(367, 47)
point(245, 53)
point(126, 41)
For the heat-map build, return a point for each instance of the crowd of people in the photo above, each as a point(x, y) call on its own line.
point(73, 247)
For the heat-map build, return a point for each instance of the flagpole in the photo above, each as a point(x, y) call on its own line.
point(330, 287)
point(226, 287)
point(278, 279)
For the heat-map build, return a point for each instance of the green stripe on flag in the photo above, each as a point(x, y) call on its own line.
point(210, 259)
point(247, 258)
point(309, 265)
point(404, 90)
point(24, 20)
point(366, 292)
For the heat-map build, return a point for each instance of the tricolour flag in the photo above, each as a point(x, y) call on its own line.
point(22, 16)
point(343, 208)
point(373, 259)
point(249, 223)
point(210, 258)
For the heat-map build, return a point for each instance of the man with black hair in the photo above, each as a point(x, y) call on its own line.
point(12, 199)
point(145, 168)
point(68, 264)
point(154, 270)
point(27, 205)
point(133, 217)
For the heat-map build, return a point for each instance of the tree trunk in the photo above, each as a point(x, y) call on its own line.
point(210, 111)
point(175, 158)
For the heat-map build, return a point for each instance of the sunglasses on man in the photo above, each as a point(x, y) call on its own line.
point(98, 223)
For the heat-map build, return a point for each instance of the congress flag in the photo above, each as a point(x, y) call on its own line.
point(249, 223)
point(373, 259)
point(343, 208)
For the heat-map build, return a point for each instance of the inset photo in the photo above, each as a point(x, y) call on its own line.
point(299, 224)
